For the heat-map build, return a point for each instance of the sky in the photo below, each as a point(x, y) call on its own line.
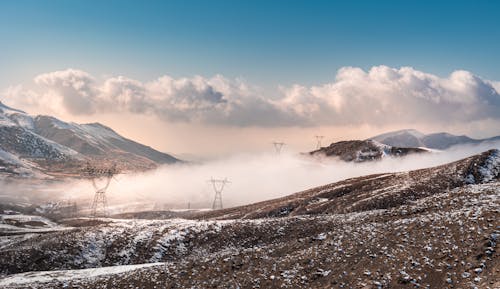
point(215, 77)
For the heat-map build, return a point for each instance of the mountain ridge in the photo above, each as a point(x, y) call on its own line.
point(439, 140)
point(51, 146)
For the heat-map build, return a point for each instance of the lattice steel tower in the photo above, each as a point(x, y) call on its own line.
point(95, 174)
point(218, 186)
point(278, 146)
point(319, 138)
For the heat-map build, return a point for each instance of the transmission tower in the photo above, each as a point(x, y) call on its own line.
point(68, 208)
point(218, 186)
point(319, 138)
point(278, 146)
point(96, 174)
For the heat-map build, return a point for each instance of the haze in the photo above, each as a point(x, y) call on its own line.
point(253, 178)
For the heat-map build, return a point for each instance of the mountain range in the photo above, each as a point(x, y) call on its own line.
point(440, 141)
point(44, 145)
point(364, 150)
point(396, 144)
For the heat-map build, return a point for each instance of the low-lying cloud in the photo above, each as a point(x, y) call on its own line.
point(375, 97)
point(253, 178)
point(265, 176)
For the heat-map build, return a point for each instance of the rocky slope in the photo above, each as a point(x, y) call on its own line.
point(441, 141)
point(33, 145)
point(373, 192)
point(363, 150)
point(431, 228)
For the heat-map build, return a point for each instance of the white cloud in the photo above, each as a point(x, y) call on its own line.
point(381, 95)
point(123, 94)
point(75, 89)
point(385, 95)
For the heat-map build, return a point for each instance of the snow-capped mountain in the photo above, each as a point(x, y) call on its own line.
point(97, 140)
point(414, 138)
point(43, 143)
point(363, 150)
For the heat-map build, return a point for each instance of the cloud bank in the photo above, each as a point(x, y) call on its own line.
point(379, 96)
point(254, 177)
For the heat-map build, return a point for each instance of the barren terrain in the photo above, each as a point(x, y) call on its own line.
point(430, 228)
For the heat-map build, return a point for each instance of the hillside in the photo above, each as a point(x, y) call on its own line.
point(37, 145)
point(430, 228)
point(363, 150)
point(373, 192)
point(441, 141)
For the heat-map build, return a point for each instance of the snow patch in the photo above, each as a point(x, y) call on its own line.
point(491, 168)
point(69, 275)
point(488, 171)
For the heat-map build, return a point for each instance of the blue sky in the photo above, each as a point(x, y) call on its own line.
point(268, 43)
point(285, 68)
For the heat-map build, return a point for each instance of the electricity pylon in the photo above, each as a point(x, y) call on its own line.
point(100, 204)
point(278, 146)
point(218, 186)
point(319, 138)
point(68, 208)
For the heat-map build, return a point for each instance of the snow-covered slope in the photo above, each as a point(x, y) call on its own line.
point(11, 164)
point(42, 143)
point(95, 139)
point(414, 138)
point(427, 228)
point(22, 150)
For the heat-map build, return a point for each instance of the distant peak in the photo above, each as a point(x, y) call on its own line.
point(411, 131)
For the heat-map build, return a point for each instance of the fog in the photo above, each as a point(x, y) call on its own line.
point(253, 177)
